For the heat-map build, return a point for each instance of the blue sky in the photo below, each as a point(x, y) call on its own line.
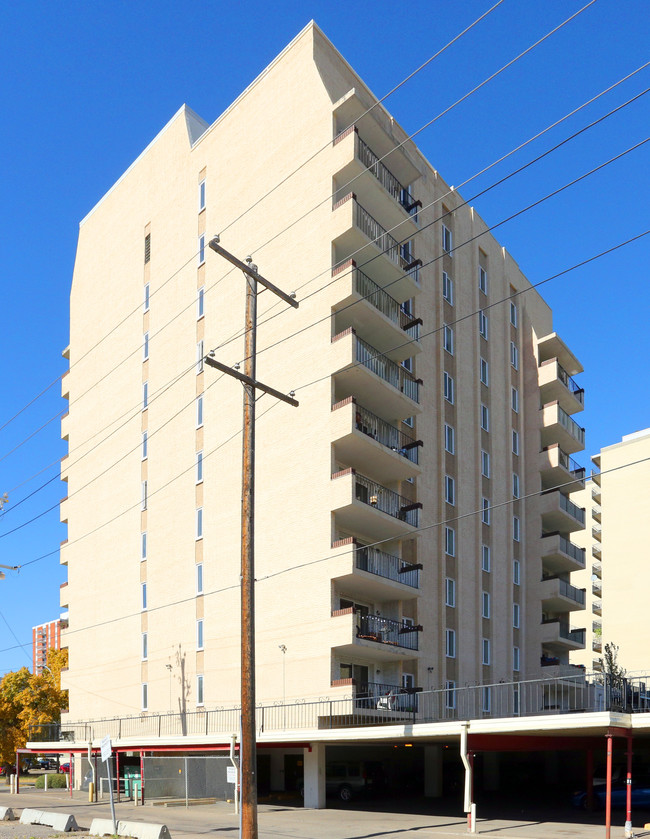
point(88, 85)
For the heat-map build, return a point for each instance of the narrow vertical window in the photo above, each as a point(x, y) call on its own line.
point(516, 658)
point(485, 463)
point(143, 587)
point(448, 388)
point(448, 339)
point(202, 195)
point(199, 411)
point(200, 303)
point(515, 442)
point(515, 615)
point(199, 523)
point(483, 325)
point(144, 646)
point(199, 578)
point(147, 248)
point(447, 288)
point(514, 355)
point(514, 399)
point(486, 559)
point(145, 696)
point(144, 495)
point(450, 490)
point(450, 541)
point(199, 634)
point(143, 545)
point(513, 314)
point(450, 643)
point(199, 356)
point(485, 510)
point(483, 280)
point(485, 417)
point(450, 694)
point(145, 347)
point(450, 439)
point(485, 604)
point(199, 690)
point(515, 485)
point(145, 395)
point(144, 445)
point(516, 572)
point(199, 467)
point(486, 651)
point(485, 372)
point(487, 699)
point(146, 297)
point(516, 528)
point(202, 249)
point(450, 592)
point(447, 240)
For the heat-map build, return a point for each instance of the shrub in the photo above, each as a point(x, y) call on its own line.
point(53, 782)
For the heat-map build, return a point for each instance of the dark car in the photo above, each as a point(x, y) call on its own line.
point(640, 795)
point(351, 778)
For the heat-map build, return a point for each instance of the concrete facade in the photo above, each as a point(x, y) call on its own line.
point(419, 405)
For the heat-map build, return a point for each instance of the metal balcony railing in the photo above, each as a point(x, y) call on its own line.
point(571, 465)
point(388, 370)
point(385, 565)
point(385, 177)
point(572, 509)
point(386, 434)
point(386, 697)
point(565, 631)
point(381, 498)
point(567, 590)
point(387, 631)
point(570, 384)
point(571, 425)
point(398, 253)
point(387, 305)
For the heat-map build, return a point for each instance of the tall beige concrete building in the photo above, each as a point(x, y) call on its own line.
point(403, 540)
point(617, 497)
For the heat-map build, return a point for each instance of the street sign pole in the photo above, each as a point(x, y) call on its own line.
point(107, 758)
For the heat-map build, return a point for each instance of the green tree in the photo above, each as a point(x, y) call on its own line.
point(610, 664)
point(29, 699)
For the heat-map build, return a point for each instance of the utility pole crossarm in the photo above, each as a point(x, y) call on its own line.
point(252, 272)
point(250, 382)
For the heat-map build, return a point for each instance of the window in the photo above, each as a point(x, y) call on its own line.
point(202, 195)
point(199, 467)
point(485, 372)
point(143, 551)
point(147, 248)
point(199, 634)
point(450, 541)
point(450, 490)
point(487, 699)
point(199, 523)
point(450, 694)
point(515, 615)
point(516, 528)
point(450, 439)
point(514, 355)
point(200, 303)
point(486, 559)
point(485, 463)
point(144, 445)
point(485, 511)
point(145, 697)
point(447, 240)
point(483, 325)
point(448, 387)
point(145, 347)
point(199, 356)
point(199, 690)
point(515, 442)
point(450, 643)
point(513, 314)
point(486, 651)
point(146, 297)
point(482, 280)
point(485, 604)
point(145, 395)
point(202, 249)
point(448, 339)
point(450, 592)
point(199, 411)
point(514, 399)
point(516, 658)
point(408, 421)
point(144, 495)
point(407, 364)
point(199, 578)
point(515, 485)
point(447, 288)
point(144, 646)
point(485, 417)
point(516, 572)
point(143, 587)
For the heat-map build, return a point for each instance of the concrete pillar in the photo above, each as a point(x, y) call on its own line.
point(433, 772)
point(315, 777)
point(551, 764)
point(277, 770)
point(491, 773)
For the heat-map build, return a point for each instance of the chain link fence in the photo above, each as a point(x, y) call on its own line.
point(200, 778)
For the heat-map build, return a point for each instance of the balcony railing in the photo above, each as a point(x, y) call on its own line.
point(571, 465)
point(573, 593)
point(388, 370)
point(386, 434)
point(386, 697)
point(385, 565)
point(571, 425)
point(381, 498)
point(385, 177)
point(572, 509)
point(570, 384)
point(577, 636)
point(387, 305)
point(387, 631)
point(398, 253)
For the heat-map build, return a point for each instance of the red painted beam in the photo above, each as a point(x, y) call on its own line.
point(529, 743)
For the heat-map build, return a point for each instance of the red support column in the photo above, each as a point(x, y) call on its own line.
point(608, 796)
point(628, 788)
point(590, 779)
point(71, 773)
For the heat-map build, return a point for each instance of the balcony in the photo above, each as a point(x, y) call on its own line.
point(597, 570)
point(597, 645)
point(369, 573)
point(366, 442)
point(597, 607)
point(358, 167)
point(596, 551)
point(557, 468)
point(596, 514)
point(560, 514)
point(390, 264)
point(376, 315)
point(556, 385)
point(558, 427)
point(382, 638)
point(557, 633)
point(384, 387)
point(595, 470)
point(371, 695)
point(552, 347)
point(597, 533)
point(559, 596)
point(365, 507)
point(559, 555)
point(596, 493)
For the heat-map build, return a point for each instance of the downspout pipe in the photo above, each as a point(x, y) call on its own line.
point(468, 806)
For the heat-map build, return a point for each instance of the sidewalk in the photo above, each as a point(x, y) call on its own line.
point(281, 822)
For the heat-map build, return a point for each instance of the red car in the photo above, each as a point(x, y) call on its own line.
point(65, 767)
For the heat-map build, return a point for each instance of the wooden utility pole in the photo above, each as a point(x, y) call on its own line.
point(248, 746)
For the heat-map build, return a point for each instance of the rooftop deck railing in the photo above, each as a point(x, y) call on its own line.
point(577, 693)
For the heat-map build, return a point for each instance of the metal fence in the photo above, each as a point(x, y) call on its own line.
point(561, 695)
point(187, 779)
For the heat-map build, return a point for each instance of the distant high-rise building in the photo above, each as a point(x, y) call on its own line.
point(45, 636)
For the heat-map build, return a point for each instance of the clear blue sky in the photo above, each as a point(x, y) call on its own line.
point(86, 86)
